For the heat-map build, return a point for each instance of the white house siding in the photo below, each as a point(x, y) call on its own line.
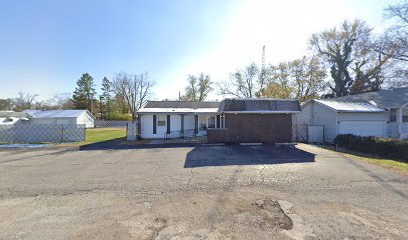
point(175, 126)
point(146, 121)
point(316, 114)
point(327, 118)
point(189, 123)
point(87, 120)
point(304, 116)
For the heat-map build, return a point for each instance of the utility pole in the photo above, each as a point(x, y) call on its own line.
point(263, 73)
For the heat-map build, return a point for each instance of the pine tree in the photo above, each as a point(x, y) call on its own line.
point(106, 98)
point(84, 93)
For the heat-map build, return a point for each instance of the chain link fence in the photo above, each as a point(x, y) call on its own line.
point(299, 132)
point(37, 133)
point(110, 123)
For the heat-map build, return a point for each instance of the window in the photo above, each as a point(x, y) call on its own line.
point(202, 122)
point(405, 115)
point(205, 122)
point(211, 122)
point(161, 122)
point(393, 115)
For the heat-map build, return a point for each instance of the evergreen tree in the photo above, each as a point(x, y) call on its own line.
point(84, 93)
point(106, 98)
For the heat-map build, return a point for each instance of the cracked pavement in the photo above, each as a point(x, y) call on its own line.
point(204, 192)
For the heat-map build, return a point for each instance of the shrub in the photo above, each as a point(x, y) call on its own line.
point(119, 116)
point(384, 147)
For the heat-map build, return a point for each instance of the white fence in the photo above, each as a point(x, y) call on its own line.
point(315, 134)
point(36, 133)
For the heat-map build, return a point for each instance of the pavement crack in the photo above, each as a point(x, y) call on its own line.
point(261, 174)
point(191, 177)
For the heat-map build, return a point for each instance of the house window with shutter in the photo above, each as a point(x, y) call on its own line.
point(393, 115)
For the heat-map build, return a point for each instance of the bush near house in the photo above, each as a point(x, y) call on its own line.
point(383, 147)
point(119, 117)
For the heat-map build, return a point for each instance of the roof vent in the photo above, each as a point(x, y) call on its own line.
point(373, 103)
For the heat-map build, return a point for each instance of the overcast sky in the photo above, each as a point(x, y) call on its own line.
point(45, 46)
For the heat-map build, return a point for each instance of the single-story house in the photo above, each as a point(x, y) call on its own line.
point(382, 114)
point(232, 120)
point(61, 117)
point(11, 117)
point(174, 119)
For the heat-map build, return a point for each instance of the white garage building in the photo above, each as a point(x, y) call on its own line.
point(61, 117)
point(342, 117)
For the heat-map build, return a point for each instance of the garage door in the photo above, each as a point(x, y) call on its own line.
point(362, 128)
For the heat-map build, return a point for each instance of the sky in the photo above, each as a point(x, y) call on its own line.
point(45, 46)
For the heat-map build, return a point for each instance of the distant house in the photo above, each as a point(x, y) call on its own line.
point(11, 117)
point(232, 120)
point(61, 117)
point(383, 114)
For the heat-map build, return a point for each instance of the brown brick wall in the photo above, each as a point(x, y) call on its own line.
point(267, 128)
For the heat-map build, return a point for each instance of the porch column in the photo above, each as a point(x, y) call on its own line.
point(196, 124)
point(399, 122)
point(182, 126)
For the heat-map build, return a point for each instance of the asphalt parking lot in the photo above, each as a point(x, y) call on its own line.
point(203, 192)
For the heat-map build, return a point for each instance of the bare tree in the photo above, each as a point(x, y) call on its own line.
point(242, 83)
point(198, 88)
point(24, 101)
point(135, 89)
point(336, 46)
point(397, 36)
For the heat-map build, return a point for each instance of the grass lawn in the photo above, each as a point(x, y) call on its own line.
point(397, 166)
point(104, 134)
point(394, 165)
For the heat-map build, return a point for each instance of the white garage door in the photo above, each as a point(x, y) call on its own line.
point(362, 128)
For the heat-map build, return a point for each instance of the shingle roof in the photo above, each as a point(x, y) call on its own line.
point(181, 104)
point(259, 105)
point(393, 98)
point(14, 114)
point(179, 107)
point(344, 106)
point(56, 113)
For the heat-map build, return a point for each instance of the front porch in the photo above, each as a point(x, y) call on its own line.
point(398, 123)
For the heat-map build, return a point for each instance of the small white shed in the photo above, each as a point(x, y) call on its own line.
point(337, 117)
point(61, 117)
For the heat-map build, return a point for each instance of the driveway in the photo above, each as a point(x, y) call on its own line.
point(202, 192)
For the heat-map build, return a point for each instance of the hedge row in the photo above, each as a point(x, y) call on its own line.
point(383, 147)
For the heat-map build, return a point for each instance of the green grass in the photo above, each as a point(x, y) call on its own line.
point(397, 166)
point(104, 134)
point(394, 165)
